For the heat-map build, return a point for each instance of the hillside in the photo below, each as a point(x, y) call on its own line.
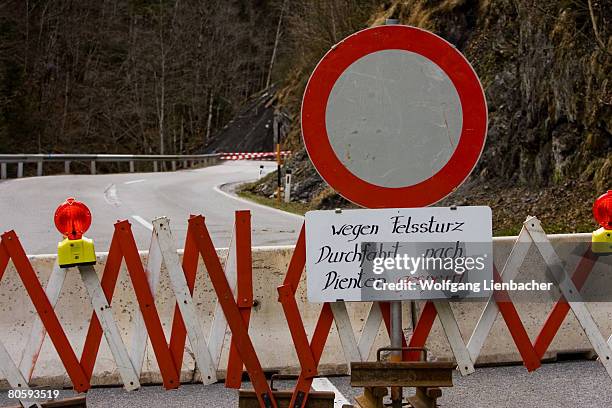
point(545, 67)
point(128, 76)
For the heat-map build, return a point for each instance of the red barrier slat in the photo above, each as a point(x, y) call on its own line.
point(515, 326)
point(422, 329)
point(4, 258)
point(45, 311)
point(244, 292)
point(298, 260)
point(297, 331)
point(178, 335)
point(169, 372)
point(561, 309)
point(317, 345)
point(309, 353)
point(232, 313)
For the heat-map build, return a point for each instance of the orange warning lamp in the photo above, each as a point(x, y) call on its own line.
point(602, 211)
point(72, 219)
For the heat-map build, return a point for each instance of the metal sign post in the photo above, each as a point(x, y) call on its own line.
point(397, 332)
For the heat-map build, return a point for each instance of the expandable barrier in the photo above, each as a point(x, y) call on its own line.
point(309, 352)
point(233, 311)
point(147, 324)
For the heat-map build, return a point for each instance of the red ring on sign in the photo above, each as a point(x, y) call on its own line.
point(440, 52)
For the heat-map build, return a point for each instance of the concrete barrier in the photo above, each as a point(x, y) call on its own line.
point(269, 330)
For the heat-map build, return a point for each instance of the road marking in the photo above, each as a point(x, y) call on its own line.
point(134, 181)
point(110, 195)
point(143, 222)
point(323, 384)
point(218, 190)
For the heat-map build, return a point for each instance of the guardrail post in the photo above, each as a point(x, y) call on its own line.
point(39, 168)
point(2, 171)
point(131, 166)
point(92, 166)
point(173, 165)
point(67, 167)
point(184, 164)
point(20, 170)
point(155, 166)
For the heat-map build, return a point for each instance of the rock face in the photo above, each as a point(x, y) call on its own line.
point(546, 80)
point(545, 67)
point(250, 130)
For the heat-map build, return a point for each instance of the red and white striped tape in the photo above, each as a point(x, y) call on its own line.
point(253, 156)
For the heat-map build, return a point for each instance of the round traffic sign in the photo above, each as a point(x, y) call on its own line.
point(394, 116)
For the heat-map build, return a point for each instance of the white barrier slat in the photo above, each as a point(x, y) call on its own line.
point(38, 331)
point(489, 314)
point(569, 290)
point(109, 327)
point(140, 336)
point(370, 330)
point(346, 333)
point(13, 375)
point(323, 384)
point(453, 334)
point(185, 301)
point(218, 330)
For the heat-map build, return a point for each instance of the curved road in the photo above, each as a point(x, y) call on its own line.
point(27, 205)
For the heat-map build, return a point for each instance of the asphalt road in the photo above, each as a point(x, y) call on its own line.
point(569, 384)
point(27, 205)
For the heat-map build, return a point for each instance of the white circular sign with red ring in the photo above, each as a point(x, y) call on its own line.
point(394, 116)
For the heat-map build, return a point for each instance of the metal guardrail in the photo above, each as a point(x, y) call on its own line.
point(185, 160)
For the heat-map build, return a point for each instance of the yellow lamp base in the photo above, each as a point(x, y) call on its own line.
point(602, 241)
point(76, 252)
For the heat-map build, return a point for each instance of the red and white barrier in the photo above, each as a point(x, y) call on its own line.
point(254, 156)
point(233, 311)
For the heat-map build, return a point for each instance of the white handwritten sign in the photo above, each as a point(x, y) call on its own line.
point(398, 253)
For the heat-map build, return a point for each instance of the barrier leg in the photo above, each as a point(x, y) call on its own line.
point(234, 318)
point(317, 344)
point(38, 332)
point(569, 291)
point(12, 374)
point(109, 327)
point(140, 337)
point(108, 283)
point(185, 302)
point(562, 308)
point(451, 329)
point(244, 292)
point(45, 311)
point(146, 303)
point(513, 321)
point(346, 334)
